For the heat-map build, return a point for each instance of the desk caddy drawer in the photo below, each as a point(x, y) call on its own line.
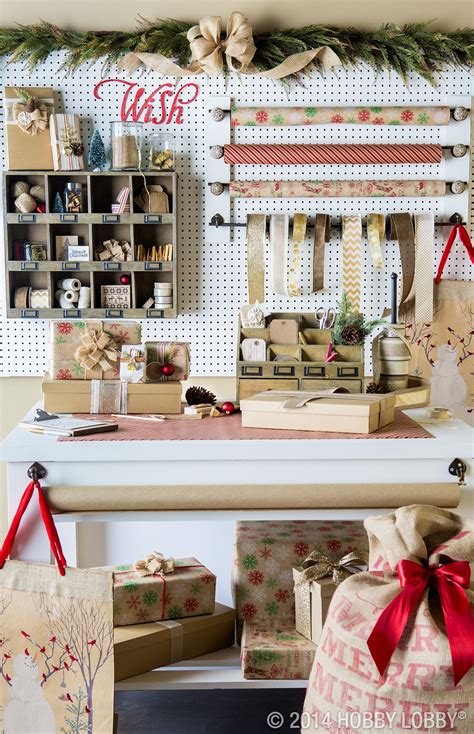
point(315, 385)
point(249, 387)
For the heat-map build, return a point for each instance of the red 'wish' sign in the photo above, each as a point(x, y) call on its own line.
point(163, 106)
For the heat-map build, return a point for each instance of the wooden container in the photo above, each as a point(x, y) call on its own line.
point(393, 358)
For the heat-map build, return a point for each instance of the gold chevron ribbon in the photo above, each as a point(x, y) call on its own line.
point(352, 257)
point(376, 233)
point(318, 566)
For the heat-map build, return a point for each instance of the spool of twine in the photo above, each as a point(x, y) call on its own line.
point(125, 152)
point(25, 203)
point(394, 359)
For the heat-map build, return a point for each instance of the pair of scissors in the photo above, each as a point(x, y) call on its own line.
point(325, 317)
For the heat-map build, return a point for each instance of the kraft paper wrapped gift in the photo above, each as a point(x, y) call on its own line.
point(143, 647)
point(159, 353)
point(99, 343)
point(75, 396)
point(187, 591)
point(28, 135)
point(320, 411)
point(275, 650)
point(266, 551)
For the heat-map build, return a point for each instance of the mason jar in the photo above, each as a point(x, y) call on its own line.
point(127, 145)
point(162, 152)
point(73, 197)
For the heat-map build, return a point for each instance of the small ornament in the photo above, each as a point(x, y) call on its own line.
point(125, 279)
point(217, 151)
point(197, 395)
point(58, 206)
point(41, 208)
point(227, 407)
point(460, 113)
point(459, 150)
point(97, 159)
point(458, 187)
point(70, 142)
point(374, 387)
point(252, 316)
point(217, 188)
point(167, 369)
point(217, 114)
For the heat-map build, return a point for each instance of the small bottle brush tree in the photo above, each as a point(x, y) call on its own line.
point(97, 158)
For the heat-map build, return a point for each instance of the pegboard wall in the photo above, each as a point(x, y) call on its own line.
point(212, 264)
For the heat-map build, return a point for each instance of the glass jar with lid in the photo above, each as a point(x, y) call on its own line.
point(162, 152)
point(127, 145)
point(73, 197)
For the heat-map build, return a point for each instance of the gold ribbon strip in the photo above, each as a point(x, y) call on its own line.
point(294, 285)
point(31, 123)
point(98, 349)
point(256, 230)
point(322, 235)
point(402, 228)
point(376, 233)
point(318, 566)
point(208, 50)
point(154, 563)
point(424, 264)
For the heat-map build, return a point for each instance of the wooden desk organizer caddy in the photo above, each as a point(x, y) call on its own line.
point(306, 370)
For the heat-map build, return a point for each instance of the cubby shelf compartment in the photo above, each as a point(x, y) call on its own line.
point(95, 224)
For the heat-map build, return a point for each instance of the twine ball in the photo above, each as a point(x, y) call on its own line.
point(25, 203)
point(20, 187)
point(39, 193)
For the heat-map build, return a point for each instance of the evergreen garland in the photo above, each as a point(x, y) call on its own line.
point(351, 322)
point(412, 48)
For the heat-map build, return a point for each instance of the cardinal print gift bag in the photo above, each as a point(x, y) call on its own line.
point(56, 650)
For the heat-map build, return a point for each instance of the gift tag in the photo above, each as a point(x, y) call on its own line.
point(284, 331)
point(253, 350)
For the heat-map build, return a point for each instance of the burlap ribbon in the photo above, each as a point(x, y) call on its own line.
point(154, 563)
point(318, 566)
point(31, 123)
point(209, 49)
point(98, 350)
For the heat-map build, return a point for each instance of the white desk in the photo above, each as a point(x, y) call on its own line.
point(107, 537)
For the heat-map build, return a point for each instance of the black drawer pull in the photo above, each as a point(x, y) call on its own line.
point(155, 313)
point(252, 371)
point(152, 219)
point(68, 218)
point(314, 371)
point(284, 371)
point(112, 266)
point(72, 313)
point(348, 372)
point(25, 218)
point(114, 313)
point(29, 313)
point(110, 218)
point(66, 265)
point(29, 265)
point(153, 265)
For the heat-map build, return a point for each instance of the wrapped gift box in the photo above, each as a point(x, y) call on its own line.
point(304, 411)
point(65, 134)
point(28, 152)
point(187, 592)
point(266, 551)
point(66, 337)
point(158, 353)
point(275, 650)
point(73, 396)
point(143, 647)
point(312, 602)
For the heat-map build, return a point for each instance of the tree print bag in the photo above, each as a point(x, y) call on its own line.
point(56, 641)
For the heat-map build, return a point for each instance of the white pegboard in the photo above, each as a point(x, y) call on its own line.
point(212, 276)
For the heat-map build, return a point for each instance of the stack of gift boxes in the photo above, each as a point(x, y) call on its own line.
point(104, 367)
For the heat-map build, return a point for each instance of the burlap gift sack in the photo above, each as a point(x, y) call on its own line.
point(346, 692)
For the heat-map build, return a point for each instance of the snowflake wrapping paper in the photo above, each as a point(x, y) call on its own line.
point(265, 553)
point(187, 592)
point(275, 650)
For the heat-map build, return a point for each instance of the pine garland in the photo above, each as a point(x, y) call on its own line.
point(349, 319)
point(412, 48)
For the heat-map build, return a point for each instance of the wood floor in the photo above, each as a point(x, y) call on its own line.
point(206, 712)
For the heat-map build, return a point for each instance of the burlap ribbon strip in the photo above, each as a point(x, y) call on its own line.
point(154, 563)
point(256, 232)
point(98, 350)
point(402, 230)
point(208, 51)
point(32, 123)
point(318, 566)
point(322, 235)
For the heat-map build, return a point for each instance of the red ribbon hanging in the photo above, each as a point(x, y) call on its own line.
point(48, 522)
point(450, 581)
point(457, 230)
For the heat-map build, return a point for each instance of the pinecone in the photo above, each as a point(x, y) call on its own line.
point(30, 105)
point(197, 395)
point(374, 387)
point(77, 148)
point(352, 335)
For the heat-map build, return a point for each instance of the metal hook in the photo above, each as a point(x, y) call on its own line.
point(37, 471)
point(458, 468)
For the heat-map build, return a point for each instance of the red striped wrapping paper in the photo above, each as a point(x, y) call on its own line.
point(305, 189)
point(279, 154)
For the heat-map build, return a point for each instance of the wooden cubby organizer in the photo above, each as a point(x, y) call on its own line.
point(95, 224)
point(307, 369)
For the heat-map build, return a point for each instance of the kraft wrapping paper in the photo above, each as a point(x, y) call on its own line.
point(282, 116)
point(274, 650)
point(346, 189)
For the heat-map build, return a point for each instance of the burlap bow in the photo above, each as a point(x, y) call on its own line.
point(154, 563)
point(318, 566)
point(208, 51)
point(31, 123)
point(98, 350)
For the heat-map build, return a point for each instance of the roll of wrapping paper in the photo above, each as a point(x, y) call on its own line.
point(256, 230)
point(346, 189)
point(282, 155)
point(375, 233)
point(322, 234)
point(271, 116)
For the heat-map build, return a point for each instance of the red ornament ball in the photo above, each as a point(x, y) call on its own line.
point(125, 279)
point(41, 208)
point(167, 369)
point(228, 407)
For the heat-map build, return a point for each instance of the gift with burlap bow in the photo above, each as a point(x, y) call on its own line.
point(98, 353)
point(318, 566)
point(154, 563)
point(32, 123)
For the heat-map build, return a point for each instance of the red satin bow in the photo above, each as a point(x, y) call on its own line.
point(450, 581)
point(457, 230)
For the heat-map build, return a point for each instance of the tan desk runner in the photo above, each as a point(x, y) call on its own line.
point(230, 429)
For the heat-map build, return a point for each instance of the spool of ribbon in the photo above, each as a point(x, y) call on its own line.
point(450, 582)
point(32, 123)
point(457, 232)
point(402, 228)
point(278, 249)
point(280, 154)
point(154, 563)
point(294, 277)
point(277, 116)
point(209, 50)
point(98, 350)
point(322, 235)
point(319, 566)
point(376, 233)
point(256, 232)
point(346, 189)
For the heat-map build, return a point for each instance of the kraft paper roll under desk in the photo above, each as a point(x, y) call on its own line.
point(213, 482)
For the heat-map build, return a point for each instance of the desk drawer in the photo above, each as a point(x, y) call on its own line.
point(248, 387)
point(315, 385)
